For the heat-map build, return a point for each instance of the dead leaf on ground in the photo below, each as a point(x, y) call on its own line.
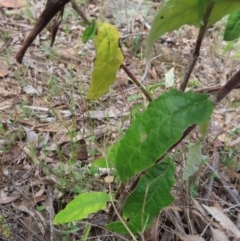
point(3, 69)
point(8, 199)
point(6, 104)
point(13, 3)
point(225, 222)
point(109, 179)
point(191, 238)
point(218, 235)
point(234, 142)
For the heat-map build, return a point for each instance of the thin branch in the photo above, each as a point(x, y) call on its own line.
point(208, 90)
point(51, 212)
point(135, 13)
point(80, 12)
point(51, 9)
point(196, 51)
point(232, 84)
point(136, 82)
point(211, 89)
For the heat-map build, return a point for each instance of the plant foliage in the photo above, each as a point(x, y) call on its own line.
point(194, 160)
point(158, 128)
point(81, 206)
point(90, 32)
point(232, 30)
point(151, 195)
point(174, 14)
point(108, 60)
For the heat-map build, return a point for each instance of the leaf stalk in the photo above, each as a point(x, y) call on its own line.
point(196, 51)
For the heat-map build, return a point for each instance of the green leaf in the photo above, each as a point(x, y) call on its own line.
point(151, 195)
point(134, 97)
point(81, 206)
point(117, 227)
point(86, 232)
point(202, 4)
point(158, 128)
point(90, 31)
point(108, 60)
point(40, 208)
point(174, 14)
point(232, 30)
point(203, 128)
point(111, 157)
point(194, 160)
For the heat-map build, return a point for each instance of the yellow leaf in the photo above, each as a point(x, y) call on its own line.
point(108, 60)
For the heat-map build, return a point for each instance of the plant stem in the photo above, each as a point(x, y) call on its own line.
point(51, 9)
point(195, 53)
point(232, 84)
point(136, 82)
point(80, 12)
point(211, 89)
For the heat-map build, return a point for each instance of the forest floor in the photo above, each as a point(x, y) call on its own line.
point(50, 134)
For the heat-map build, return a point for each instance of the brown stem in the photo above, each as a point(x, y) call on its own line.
point(195, 54)
point(233, 83)
point(136, 82)
point(51, 9)
point(80, 12)
point(211, 89)
point(55, 25)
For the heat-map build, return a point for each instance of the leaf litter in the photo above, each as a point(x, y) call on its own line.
point(50, 134)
